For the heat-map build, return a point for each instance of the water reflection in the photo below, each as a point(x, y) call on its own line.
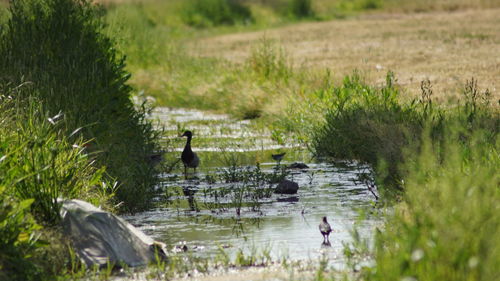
point(287, 222)
point(290, 199)
point(189, 192)
point(326, 244)
point(200, 213)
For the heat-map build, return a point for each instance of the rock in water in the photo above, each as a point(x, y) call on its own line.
point(99, 237)
point(287, 187)
point(297, 165)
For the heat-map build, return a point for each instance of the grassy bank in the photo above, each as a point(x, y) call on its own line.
point(41, 162)
point(445, 226)
point(58, 48)
point(69, 130)
point(373, 124)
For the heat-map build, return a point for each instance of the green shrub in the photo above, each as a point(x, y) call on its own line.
point(206, 13)
point(371, 124)
point(300, 8)
point(59, 47)
point(447, 226)
point(368, 124)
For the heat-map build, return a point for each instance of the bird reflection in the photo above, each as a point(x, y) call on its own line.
point(325, 244)
point(190, 191)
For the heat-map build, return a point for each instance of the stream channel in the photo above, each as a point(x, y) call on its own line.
point(201, 211)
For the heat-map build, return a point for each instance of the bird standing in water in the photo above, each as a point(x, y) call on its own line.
point(188, 157)
point(278, 157)
point(325, 229)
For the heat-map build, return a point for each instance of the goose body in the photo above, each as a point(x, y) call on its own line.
point(188, 157)
point(278, 157)
point(325, 229)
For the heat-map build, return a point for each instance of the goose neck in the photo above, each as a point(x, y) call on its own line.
point(188, 142)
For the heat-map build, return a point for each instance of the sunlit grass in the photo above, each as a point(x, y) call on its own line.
point(446, 227)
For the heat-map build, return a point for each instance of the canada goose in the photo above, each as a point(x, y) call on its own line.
point(188, 157)
point(325, 229)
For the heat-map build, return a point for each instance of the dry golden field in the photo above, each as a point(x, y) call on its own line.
point(446, 47)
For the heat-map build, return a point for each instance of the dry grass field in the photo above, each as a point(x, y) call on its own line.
point(446, 47)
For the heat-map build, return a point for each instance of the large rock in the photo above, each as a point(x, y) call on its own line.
point(99, 237)
point(287, 187)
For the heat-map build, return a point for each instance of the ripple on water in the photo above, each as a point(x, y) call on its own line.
point(285, 224)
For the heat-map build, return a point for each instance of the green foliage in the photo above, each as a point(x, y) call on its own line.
point(43, 163)
point(359, 5)
point(59, 47)
point(300, 8)
point(447, 227)
point(207, 13)
point(372, 125)
point(367, 123)
point(269, 61)
point(17, 239)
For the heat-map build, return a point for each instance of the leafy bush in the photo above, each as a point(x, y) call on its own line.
point(350, 6)
point(206, 13)
point(59, 46)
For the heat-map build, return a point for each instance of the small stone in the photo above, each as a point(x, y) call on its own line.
point(287, 187)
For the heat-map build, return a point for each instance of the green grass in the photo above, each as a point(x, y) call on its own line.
point(443, 228)
point(446, 227)
point(40, 161)
point(44, 162)
point(69, 130)
point(16, 237)
point(58, 47)
point(372, 124)
point(206, 13)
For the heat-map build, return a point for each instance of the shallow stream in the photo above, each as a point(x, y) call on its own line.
point(201, 212)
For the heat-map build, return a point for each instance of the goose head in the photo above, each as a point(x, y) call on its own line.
point(188, 134)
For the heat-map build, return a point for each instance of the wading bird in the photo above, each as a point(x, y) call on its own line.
point(325, 229)
point(278, 157)
point(188, 157)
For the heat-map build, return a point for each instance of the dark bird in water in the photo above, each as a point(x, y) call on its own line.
point(188, 157)
point(278, 157)
point(325, 229)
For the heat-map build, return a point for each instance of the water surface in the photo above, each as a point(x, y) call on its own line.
point(284, 225)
